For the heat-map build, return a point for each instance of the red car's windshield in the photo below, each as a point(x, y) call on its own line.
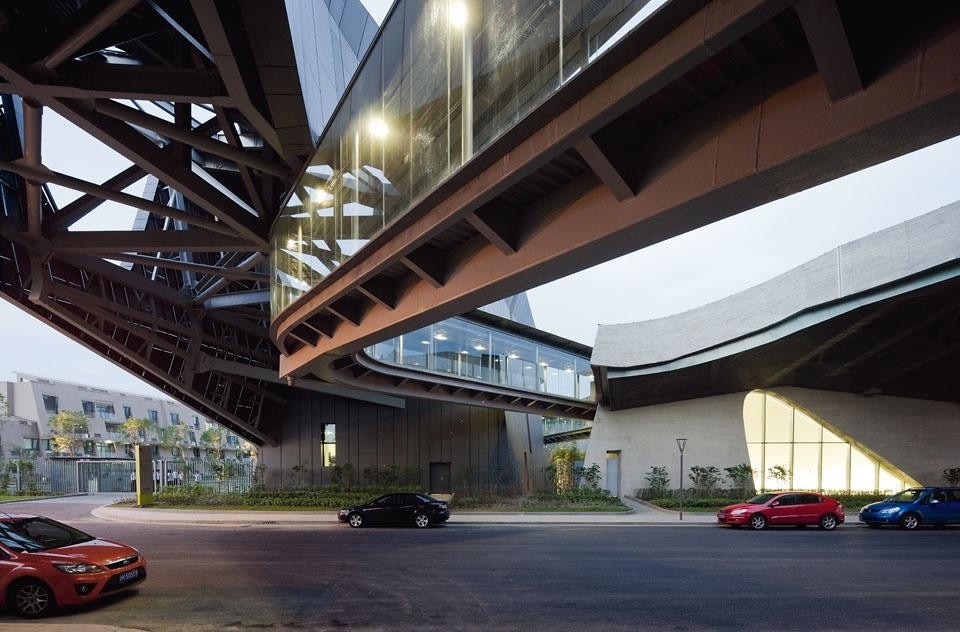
point(760, 499)
point(39, 534)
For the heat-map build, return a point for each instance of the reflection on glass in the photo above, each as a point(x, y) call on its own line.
point(444, 79)
point(473, 351)
point(816, 457)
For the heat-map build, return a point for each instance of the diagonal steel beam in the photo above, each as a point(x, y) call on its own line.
point(141, 151)
point(230, 133)
point(33, 135)
point(204, 143)
point(86, 203)
point(236, 78)
point(44, 175)
point(110, 14)
point(233, 274)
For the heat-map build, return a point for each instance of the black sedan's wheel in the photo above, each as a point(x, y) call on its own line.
point(355, 520)
point(910, 521)
point(828, 522)
point(31, 598)
point(758, 522)
point(421, 521)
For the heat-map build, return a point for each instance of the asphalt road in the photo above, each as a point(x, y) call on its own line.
point(496, 577)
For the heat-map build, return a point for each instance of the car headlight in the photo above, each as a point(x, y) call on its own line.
point(889, 510)
point(76, 569)
point(738, 512)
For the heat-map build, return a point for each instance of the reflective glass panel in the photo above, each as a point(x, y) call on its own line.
point(863, 472)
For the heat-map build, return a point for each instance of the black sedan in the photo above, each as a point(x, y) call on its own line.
point(419, 510)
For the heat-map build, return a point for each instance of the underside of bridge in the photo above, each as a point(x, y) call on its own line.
point(706, 110)
point(207, 112)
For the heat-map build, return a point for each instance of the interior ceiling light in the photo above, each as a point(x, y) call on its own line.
point(440, 335)
point(378, 127)
point(457, 13)
point(513, 355)
point(424, 342)
point(479, 347)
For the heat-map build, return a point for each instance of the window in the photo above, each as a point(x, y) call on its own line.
point(196, 421)
point(153, 416)
point(232, 441)
point(115, 428)
point(51, 404)
point(328, 444)
point(193, 437)
point(809, 499)
point(127, 413)
point(89, 408)
point(105, 411)
point(787, 499)
point(175, 419)
point(789, 448)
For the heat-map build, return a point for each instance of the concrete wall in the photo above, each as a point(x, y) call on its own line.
point(920, 437)
point(372, 435)
point(646, 437)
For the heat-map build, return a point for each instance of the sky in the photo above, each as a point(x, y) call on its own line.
point(666, 278)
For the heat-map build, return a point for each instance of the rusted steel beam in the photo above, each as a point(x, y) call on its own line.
point(105, 242)
point(771, 136)
point(830, 46)
point(110, 14)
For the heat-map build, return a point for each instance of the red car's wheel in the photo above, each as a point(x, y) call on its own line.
point(31, 598)
point(758, 522)
point(828, 522)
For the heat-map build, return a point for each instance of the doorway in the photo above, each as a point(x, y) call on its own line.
point(440, 478)
point(612, 479)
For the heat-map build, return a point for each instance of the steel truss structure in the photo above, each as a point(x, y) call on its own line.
point(203, 99)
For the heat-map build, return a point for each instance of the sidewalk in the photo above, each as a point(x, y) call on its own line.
point(639, 514)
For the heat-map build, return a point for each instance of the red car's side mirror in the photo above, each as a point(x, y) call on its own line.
point(775, 503)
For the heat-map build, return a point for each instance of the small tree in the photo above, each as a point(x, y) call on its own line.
point(780, 473)
point(740, 475)
point(138, 431)
point(67, 429)
point(952, 476)
point(175, 438)
point(657, 481)
point(704, 478)
point(563, 459)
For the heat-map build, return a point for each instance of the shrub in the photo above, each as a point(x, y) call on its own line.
point(704, 478)
point(952, 476)
point(740, 475)
point(657, 481)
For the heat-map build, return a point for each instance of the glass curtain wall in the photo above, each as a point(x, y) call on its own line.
point(469, 350)
point(444, 79)
point(789, 449)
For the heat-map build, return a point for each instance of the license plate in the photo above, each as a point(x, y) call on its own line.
point(129, 576)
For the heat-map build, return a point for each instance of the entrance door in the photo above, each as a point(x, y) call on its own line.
point(440, 478)
point(612, 479)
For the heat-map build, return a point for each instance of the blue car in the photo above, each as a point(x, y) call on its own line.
point(912, 507)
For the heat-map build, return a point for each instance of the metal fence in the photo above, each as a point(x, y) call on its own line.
point(91, 476)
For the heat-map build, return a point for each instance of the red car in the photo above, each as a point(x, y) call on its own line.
point(45, 564)
point(791, 508)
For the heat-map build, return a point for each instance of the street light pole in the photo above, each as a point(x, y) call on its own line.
point(681, 443)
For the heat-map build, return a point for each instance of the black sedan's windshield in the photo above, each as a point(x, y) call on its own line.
point(760, 499)
point(39, 534)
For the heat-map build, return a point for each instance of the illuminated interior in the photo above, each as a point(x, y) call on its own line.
point(813, 454)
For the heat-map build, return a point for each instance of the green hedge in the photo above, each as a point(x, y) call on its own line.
point(332, 497)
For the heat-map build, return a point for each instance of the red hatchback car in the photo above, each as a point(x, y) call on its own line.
point(790, 508)
point(45, 564)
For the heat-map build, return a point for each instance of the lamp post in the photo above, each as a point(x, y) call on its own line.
point(681, 443)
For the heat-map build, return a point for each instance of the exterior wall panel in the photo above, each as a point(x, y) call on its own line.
point(372, 436)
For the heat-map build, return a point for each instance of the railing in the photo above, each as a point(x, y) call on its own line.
point(442, 81)
point(472, 351)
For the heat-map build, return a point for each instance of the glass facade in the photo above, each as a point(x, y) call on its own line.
point(473, 351)
point(785, 441)
point(443, 80)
